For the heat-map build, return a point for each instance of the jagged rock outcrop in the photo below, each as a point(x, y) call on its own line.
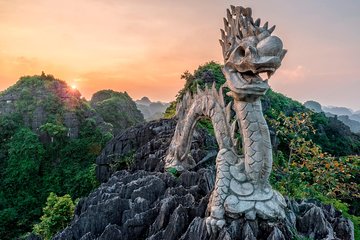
point(140, 205)
point(146, 203)
point(146, 146)
point(154, 205)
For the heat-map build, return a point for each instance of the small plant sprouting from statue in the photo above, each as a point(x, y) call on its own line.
point(242, 181)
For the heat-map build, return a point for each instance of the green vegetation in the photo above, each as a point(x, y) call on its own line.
point(170, 111)
point(21, 182)
point(315, 156)
point(117, 108)
point(206, 74)
point(302, 170)
point(58, 212)
point(37, 156)
point(331, 135)
point(123, 162)
point(40, 158)
point(174, 172)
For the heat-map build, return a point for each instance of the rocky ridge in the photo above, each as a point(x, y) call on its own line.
point(149, 205)
point(146, 145)
point(42, 99)
point(143, 203)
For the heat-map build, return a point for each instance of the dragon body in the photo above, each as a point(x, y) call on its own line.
point(242, 181)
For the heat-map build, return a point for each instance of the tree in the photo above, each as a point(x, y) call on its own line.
point(25, 155)
point(21, 184)
point(302, 165)
point(57, 215)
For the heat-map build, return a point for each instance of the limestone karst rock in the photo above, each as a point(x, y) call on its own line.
point(146, 145)
point(140, 204)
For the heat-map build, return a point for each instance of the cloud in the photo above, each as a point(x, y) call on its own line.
point(287, 74)
point(144, 45)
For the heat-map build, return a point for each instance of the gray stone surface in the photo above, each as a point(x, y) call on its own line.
point(176, 208)
point(145, 204)
point(147, 144)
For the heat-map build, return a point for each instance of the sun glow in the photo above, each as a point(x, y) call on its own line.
point(73, 87)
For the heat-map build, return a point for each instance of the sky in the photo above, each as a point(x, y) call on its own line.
point(144, 46)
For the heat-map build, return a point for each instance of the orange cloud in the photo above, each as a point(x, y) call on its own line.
point(143, 46)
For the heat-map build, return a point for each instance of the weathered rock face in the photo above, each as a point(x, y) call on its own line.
point(153, 205)
point(147, 145)
point(142, 205)
point(145, 203)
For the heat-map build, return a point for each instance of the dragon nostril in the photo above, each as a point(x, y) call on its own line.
point(250, 51)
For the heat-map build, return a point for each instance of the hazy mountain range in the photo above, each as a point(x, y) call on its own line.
point(151, 110)
point(348, 116)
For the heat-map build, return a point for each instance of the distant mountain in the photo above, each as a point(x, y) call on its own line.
point(337, 110)
point(144, 101)
point(151, 110)
point(354, 125)
point(345, 115)
point(355, 116)
point(312, 105)
point(117, 109)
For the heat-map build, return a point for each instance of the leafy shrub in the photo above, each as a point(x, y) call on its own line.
point(302, 170)
point(122, 162)
point(173, 172)
point(170, 112)
point(57, 215)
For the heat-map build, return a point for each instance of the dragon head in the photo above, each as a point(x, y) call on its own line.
point(249, 50)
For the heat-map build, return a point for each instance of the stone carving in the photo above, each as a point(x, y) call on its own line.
point(242, 181)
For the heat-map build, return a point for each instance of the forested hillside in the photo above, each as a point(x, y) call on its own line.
point(49, 139)
point(116, 108)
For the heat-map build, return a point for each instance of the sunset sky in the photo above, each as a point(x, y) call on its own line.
point(143, 46)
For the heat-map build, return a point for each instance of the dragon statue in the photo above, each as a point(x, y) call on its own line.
point(242, 181)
